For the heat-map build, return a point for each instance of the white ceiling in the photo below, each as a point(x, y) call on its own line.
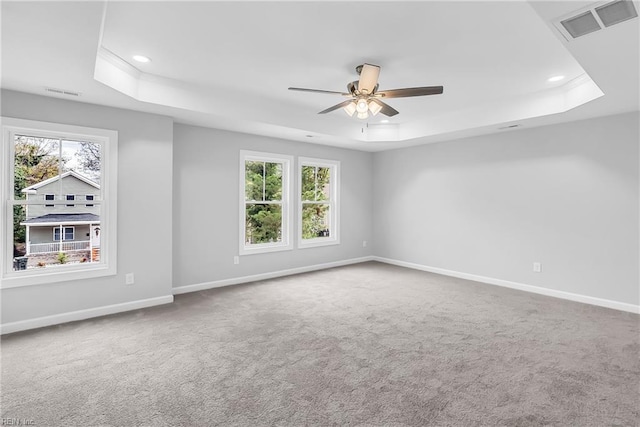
point(228, 64)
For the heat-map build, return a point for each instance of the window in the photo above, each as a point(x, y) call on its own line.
point(46, 238)
point(89, 197)
point(318, 209)
point(265, 209)
point(67, 234)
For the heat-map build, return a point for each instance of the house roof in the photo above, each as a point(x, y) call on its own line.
point(63, 218)
point(64, 175)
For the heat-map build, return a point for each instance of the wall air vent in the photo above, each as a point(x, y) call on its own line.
point(616, 12)
point(596, 17)
point(61, 91)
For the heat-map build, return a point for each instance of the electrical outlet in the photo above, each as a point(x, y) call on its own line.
point(537, 267)
point(364, 243)
point(129, 279)
point(236, 260)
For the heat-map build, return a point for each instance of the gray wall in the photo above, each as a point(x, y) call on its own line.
point(563, 195)
point(206, 206)
point(144, 209)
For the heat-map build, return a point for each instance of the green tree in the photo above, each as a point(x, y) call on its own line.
point(35, 160)
point(263, 183)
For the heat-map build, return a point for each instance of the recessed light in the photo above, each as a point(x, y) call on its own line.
point(141, 58)
point(555, 79)
point(384, 121)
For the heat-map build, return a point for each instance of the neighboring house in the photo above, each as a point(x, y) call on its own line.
point(72, 226)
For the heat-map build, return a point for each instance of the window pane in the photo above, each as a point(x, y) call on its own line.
point(263, 181)
point(35, 160)
point(273, 182)
point(308, 187)
point(263, 223)
point(38, 245)
point(68, 233)
point(323, 187)
point(83, 157)
point(315, 220)
point(19, 231)
point(254, 172)
point(315, 183)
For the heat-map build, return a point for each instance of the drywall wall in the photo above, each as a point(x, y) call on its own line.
point(564, 195)
point(144, 210)
point(206, 206)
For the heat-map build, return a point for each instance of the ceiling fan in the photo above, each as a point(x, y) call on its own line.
point(364, 97)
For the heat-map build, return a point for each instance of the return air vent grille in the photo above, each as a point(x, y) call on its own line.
point(595, 17)
point(616, 12)
point(580, 25)
point(509, 127)
point(61, 91)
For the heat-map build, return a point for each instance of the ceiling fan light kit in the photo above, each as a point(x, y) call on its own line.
point(363, 107)
point(374, 107)
point(365, 97)
point(350, 109)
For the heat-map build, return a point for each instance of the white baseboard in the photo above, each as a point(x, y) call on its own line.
point(519, 286)
point(134, 305)
point(72, 316)
point(263, 276)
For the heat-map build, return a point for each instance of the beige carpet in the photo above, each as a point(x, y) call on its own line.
point(364, 345)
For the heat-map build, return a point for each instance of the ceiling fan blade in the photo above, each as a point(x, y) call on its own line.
point(411, 91)
point(335, 107)
point(301, 89)
point(387, 109)
point(368, 78)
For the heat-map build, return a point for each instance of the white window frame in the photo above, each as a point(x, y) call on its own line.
point(53, 197)
point(64, 232)
point(334, 203)
point(108, 204)
point(72, 199)
point(287, 240)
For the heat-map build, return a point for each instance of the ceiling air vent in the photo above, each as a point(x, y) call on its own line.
point(595, 17)
point(580, 25)
point(615, 12)
point(61, 91)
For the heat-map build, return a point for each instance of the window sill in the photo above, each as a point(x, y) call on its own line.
point(61, 274)
point(260, 249)
point(317, 242)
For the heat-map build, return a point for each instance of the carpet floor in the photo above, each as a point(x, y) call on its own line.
point(363, 345)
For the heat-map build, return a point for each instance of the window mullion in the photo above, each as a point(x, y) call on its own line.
point(264, 181)
point(59, 168)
